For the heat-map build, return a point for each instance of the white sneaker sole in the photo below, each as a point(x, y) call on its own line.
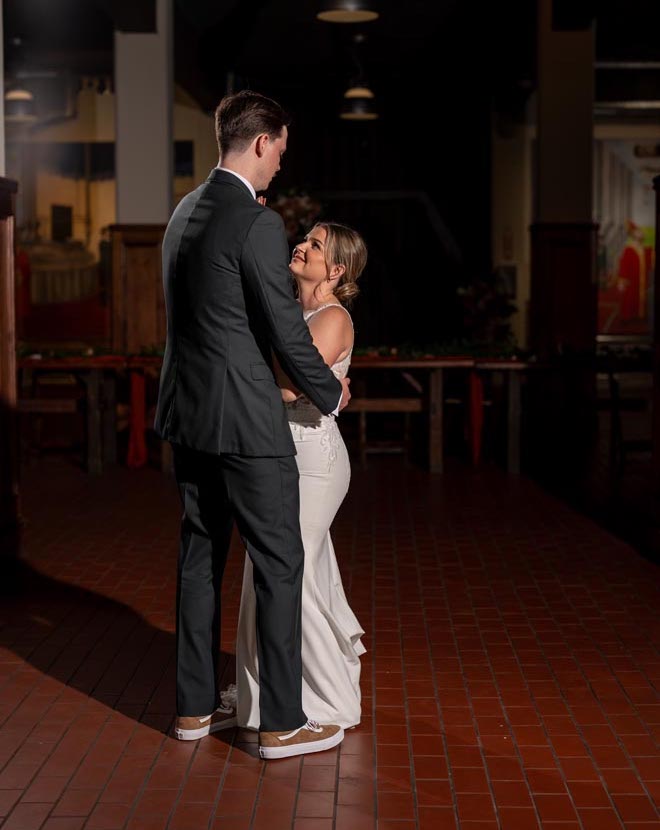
point(202, 732)
point(274, 752)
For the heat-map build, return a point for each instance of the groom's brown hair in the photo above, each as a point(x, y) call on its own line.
point(241, 116)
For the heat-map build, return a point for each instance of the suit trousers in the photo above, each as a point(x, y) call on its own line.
point(262, 496)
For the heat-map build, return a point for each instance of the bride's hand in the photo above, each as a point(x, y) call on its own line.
point(346, 393)
point(261, 200)
point(289, 396)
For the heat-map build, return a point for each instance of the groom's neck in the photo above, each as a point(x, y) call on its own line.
point(239, 164)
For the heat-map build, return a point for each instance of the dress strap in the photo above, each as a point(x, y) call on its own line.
point(310, 314)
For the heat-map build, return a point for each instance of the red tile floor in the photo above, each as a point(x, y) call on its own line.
point(510, 682)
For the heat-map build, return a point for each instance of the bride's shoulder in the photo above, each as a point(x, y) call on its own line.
point(335, 312)
point(332, 320)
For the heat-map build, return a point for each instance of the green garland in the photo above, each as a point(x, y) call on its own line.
point(27, 349)
point(467, 348)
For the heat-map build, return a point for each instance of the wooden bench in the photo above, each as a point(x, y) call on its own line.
point(363, 406)
point(47, 406)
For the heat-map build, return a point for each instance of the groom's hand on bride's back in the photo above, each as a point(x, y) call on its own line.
point(345, 394)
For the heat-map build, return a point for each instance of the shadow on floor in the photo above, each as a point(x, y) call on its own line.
point(95, 645)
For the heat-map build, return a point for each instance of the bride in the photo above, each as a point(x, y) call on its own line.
point(325, 267)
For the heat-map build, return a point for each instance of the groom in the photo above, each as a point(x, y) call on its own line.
point(229, 305)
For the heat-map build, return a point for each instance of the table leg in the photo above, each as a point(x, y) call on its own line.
point(137, 444)
point(94, 454)
point(435, 421)
point(476, 415)
point(110, 419)
point(513, 438)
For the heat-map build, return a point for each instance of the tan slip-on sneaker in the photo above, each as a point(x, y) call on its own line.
point(312, 737)
point(192, 729)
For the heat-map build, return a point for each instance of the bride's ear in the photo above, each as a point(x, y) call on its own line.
point(336, 272)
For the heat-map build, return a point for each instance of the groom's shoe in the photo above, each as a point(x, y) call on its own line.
point(312, 737)
point(192, 729)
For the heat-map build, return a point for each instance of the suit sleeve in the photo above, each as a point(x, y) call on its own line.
point(264, 265)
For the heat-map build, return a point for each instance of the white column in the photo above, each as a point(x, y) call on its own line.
point(144, 92)
point(2, 96)
point(511, 187)
point(565, 121)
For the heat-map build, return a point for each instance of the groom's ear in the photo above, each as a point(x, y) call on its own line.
point(261, 142)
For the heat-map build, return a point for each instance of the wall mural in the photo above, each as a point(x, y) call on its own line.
point(624, 208)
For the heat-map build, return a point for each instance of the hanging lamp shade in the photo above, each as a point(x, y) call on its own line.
point(19, 106)
point(359, 105)
point(347, 11)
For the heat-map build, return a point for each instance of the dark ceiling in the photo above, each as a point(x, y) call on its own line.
point(280, 47)
point(274, 45)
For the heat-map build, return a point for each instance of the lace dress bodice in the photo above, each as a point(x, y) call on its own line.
point(302, 411)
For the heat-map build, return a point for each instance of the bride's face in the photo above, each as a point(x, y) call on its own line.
point(308, 260)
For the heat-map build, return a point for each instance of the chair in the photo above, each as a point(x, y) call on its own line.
point(363, 406)
point(50, 396)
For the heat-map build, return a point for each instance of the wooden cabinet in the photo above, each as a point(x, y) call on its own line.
point(138, 308)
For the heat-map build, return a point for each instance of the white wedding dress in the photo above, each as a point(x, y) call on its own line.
point(331, 644)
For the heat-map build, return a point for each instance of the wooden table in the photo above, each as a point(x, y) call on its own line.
point(98, 375)
point(436, 367)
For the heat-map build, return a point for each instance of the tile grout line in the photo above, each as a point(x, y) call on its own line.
point(434, 681)
point(406, 703)
point(605, 714)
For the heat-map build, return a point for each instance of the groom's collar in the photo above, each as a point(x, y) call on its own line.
point(235, 175)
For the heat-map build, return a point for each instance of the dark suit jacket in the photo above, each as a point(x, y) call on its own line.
point(229, 300)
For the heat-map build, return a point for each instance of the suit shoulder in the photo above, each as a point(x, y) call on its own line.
point(266, 218)
point(194, 195)
point(186, 205)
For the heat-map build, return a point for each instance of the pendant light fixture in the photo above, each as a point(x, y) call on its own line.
point(359, 105)
point(347, 11)
point(19, 106)
point(359, 101)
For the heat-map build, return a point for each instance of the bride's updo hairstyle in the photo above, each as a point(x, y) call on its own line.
point(344, 246)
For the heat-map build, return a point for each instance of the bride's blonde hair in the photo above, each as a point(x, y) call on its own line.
point(344, 246)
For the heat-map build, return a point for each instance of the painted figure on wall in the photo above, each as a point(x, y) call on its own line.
point(632, 277)
point(624, 296)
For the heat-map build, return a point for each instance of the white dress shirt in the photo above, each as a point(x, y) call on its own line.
point(242, 178)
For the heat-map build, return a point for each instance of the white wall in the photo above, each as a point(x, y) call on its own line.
point(512, 214)
point(94, 121)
